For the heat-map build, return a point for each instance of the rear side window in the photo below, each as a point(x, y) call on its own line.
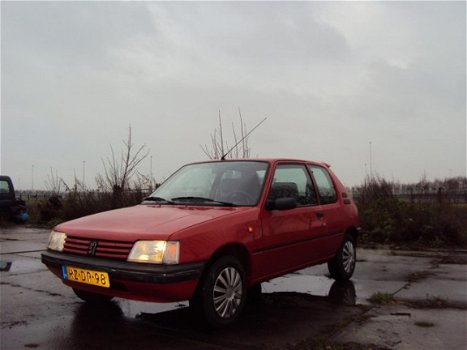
point(326, 190)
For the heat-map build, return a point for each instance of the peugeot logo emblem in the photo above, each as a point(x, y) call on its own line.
point(92, 248)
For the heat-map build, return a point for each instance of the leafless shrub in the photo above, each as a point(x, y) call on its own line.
point(54, 183)
point(220, 146)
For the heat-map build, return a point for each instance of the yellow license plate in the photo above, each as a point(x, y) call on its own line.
point(95, 278)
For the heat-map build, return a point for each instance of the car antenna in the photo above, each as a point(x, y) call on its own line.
point(243, 138)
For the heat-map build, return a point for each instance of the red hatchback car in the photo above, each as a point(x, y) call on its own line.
point(209, 234)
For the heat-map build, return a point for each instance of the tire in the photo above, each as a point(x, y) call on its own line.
point(92, 297)
point(222, 293)
point(342, 266)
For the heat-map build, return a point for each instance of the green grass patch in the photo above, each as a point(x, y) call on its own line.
point(380, 298)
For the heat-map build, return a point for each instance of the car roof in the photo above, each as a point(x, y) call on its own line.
point(268, 160)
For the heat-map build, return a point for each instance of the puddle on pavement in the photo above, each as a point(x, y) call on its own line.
point(15, 247)
point(315, 285)
point(5, 265)
point(320, 287)
point(134, 309)
point(11, 264)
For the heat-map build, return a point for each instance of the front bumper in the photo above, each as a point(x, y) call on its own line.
point(132, 280)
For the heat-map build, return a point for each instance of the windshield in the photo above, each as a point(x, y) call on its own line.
point(225, 183)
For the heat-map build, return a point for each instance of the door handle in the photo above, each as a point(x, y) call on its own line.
point(319, 214)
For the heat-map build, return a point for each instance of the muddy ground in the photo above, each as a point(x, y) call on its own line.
point(418, 301)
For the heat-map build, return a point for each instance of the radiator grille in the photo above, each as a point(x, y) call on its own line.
point(100, 248)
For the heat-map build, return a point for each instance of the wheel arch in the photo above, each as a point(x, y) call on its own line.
point(236, 250)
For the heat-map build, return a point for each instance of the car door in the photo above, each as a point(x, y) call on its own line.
point(288, 235)
point(7, 193)
point(331, 210)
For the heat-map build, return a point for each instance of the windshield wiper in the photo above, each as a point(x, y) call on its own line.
point(202, 199)
point(158, 199)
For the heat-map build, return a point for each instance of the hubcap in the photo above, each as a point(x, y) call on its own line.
point(227, 293)
point(348, 256)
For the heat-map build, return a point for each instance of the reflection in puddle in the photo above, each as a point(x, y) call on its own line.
point(297, 283)
point(279, 290)
point(285, 304)
point(133, 309)
point(316, 285)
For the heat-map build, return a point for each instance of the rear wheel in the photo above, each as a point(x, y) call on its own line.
point(342, 266)
point(92, 297)
point(222, 292)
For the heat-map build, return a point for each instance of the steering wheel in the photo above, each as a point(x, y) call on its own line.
point(241, 197)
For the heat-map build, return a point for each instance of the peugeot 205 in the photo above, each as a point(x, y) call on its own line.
point(212, 232)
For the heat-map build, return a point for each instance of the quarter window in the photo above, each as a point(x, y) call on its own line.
point(326, 190)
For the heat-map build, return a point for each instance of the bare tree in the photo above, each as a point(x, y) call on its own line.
point(220, 146)
point(118, 171)
point(145, 183)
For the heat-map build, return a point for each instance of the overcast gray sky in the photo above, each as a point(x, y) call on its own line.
point(330, 77)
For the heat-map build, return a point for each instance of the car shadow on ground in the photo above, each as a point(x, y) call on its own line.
point(271, 320)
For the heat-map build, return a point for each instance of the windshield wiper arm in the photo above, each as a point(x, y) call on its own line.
point(157, 199)
point(202, 199)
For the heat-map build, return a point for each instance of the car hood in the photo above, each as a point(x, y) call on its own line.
point(143, 221)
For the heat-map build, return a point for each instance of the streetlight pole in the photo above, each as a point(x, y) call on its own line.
point(32, 177)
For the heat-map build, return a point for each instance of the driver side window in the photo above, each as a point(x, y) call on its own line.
point(292, 180)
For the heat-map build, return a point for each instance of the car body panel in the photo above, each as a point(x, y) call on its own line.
point(131, 280)
point(143, 222)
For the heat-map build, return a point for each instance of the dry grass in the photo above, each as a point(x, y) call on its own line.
point(387, 220)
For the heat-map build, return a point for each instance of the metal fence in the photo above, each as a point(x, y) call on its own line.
point(29, 195)
point(458, 196)
point(450, 196)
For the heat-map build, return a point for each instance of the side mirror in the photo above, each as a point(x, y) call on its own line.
point(286, 203)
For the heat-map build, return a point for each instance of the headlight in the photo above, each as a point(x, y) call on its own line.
point(155, 252)
point(56, 241)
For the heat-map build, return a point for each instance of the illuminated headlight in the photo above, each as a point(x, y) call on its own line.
point(56, 241)
point(155, 252)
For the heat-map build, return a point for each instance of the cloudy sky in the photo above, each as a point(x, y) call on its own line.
point(331, 77)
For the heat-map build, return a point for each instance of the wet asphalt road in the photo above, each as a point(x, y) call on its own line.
point(294, 311)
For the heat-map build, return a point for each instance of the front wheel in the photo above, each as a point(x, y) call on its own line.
point(342, 266)
point(221, 297)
